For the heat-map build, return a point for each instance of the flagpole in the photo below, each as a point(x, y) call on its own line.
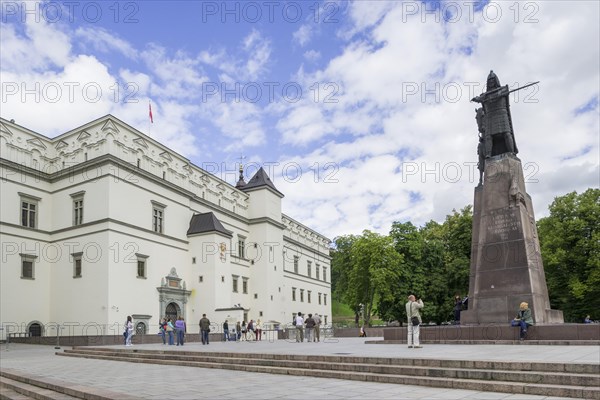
point(150, 118)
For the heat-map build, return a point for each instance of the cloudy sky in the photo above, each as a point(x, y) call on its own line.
point(360, 111)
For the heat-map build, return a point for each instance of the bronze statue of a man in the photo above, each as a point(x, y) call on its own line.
point(495, 119)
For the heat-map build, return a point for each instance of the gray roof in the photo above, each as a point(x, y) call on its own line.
point(261, 179)
point(207, 222)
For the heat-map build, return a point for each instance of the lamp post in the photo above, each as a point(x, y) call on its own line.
point(57, 347)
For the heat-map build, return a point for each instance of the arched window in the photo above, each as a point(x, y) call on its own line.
point(35, 329)
point(172, 311)
point(140, 328)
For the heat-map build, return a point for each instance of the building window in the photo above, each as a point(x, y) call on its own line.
point(222, 278)
point(324, 274)
point(158, 217)
point(78, 212)
point(29, 210)
point(308, 268)
point(77, 257)
point(235, 283)
point(241, 247)
point(27, 266)
point(317, 268)
point(141, 265)
point(140, 328)
point(293, 294)
point(256, 295)
point(77, 208)
point(296, 264)
point(308, 296)
point(245, 285)
point(319, 298)
point(324, 299)
point(325, 317)
point(302, 295)
point(200, 279)
point(260, 313)
point(193, 260)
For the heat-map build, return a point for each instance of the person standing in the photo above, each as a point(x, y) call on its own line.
point(310, 327)
point(238, 331)
point(244, 330)
point(258, 330)
point(170, 329)
point(180, 327)
point(317, 328)
point(163, 330)
point(129, 326)
point(225, 331)
point(299, 328)
point(523, 320)
point(458, 304)
point(204, 328)
point(250, 329)
point(413, 314)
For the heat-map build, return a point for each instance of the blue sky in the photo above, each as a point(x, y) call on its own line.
point(359, 110)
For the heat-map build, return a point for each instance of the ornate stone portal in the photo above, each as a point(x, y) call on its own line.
point(172, 291)
point(506, 265)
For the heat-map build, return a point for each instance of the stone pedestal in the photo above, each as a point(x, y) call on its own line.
point(506, 265)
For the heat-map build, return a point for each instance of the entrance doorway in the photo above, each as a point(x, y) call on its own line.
point(172, 311)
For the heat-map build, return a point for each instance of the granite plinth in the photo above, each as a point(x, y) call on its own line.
point(506, 264)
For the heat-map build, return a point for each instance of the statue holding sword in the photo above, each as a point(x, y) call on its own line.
point(494, 120)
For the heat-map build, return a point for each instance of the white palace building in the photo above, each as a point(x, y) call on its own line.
point(103, 222)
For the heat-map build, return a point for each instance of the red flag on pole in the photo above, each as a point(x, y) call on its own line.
point(150, 112)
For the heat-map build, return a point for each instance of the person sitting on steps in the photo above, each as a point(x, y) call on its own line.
point(523, 320)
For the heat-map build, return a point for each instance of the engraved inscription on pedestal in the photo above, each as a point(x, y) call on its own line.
point(502, 225)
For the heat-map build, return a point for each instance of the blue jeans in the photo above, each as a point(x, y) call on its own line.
point(523, 327)
point(180, 335)
point(204, 337)
point(170, 338)
point(226, 334)
point(164, 338)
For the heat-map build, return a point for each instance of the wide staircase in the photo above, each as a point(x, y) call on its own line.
point(531, 378)
point(16, 385)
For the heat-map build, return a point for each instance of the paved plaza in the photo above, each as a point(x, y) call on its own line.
point(150, 381)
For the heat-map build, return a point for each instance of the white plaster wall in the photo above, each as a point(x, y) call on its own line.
point(133, 295)
point(23, 300)
point(81, 303)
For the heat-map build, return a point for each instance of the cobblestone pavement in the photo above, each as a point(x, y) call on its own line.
point(151, 381)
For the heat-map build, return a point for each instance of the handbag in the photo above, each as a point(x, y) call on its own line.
point(415, 321)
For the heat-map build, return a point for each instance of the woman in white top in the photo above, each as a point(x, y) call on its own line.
point(129, 331)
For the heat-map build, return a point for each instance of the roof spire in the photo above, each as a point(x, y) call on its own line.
point(241, 183)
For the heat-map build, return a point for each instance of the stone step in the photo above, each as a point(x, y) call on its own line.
point(577, 368)
point(51, 389)
point(7, 393)
point(29, 391)
point(431, 381)
point(497, 342)
point(525, 376)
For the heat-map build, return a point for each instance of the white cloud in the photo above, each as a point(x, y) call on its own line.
point(103, 41)
point(312, 55)
point(432, 140)
point(303, 35)
point(248, 65)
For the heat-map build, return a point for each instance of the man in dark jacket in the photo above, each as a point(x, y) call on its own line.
point(310, 327)
point(204, 329)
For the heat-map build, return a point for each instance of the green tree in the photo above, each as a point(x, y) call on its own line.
point(365, 265)
point(408, 242)
point(570, 246)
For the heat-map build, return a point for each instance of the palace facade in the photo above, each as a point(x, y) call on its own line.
point(103, 221)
